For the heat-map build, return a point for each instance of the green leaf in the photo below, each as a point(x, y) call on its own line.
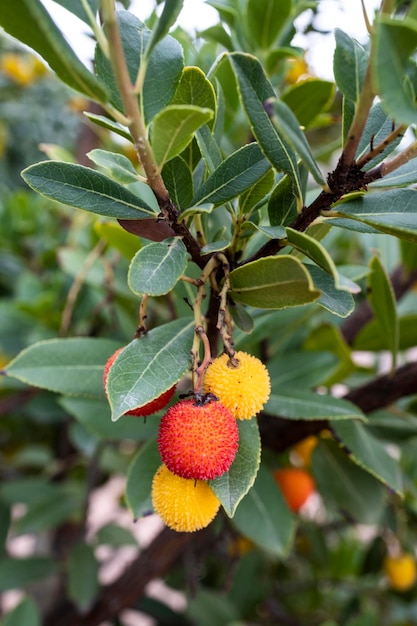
point(308, 98)
point(164, 66)
point(178, 180)
point(402, 177)
point(194, 88)
point(241, 317)
point(273, 283)
point(392, 212)
point(173, 129)
point(210, 151)
point(251, 199)
point(115, 536)
point(126, 243)
point(149, 366)
point(86, 189)
point(95, 416)
point(157, 267)
point(383, 304)
point(371, 338)
point(105, 122)
point(265, 19)
point(142, 469)
point(39, 32)
point(25, 613)
point(5, 520)
point(289, 128)
point(115, 165)
point(394, 42)
point(77, 8)
point(378, 127)
point(255, 89)
point(282, 205)
point(369, 453)
point(83, 582)
point(313, 249)
point(329, 337)
point(332, 298)
point(71, 366)
point(236, 174)
point(349, 66)
point(301, 370)
point(17, 573)
point(272, 232)
point(233, 485)
point(301, 404)
point(264, 517)
point(51, 511)
point(170, 12)
point(346, 487)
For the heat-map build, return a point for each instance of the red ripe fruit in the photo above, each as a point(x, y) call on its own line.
point(198, 441)
point(148, 409)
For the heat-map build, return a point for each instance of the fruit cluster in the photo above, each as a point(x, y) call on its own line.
point(198, 438)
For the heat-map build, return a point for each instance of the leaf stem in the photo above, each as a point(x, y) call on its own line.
point(130, 101)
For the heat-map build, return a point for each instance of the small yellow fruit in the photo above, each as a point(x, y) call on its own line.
point(297, 68)
point(20, 69)
point(304, 449)
point(401, 571)
point(183, 504)
point(243, 389)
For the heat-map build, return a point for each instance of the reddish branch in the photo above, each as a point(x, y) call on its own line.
point(154, 562)
point(280, 434)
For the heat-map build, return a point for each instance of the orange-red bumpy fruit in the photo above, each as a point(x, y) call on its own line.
point(243, 389)
point(185, 505)
point(148, 409)
point(198, 441)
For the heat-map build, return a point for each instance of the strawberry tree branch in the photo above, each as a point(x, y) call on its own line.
point(281, 434)
point(137, 129)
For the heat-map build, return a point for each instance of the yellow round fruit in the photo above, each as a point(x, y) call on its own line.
point(243, 389)
point(401, 571)
point(183, 504)
point(304, 449)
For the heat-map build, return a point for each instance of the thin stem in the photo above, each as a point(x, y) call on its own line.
point(402, 158)
point(141, 329)
point(360, 163)
point(359, 119)
point(198, 320)
point(75, 288)
point(98, 33)
point(199, 372)
point(224, 322)
point(130, 101)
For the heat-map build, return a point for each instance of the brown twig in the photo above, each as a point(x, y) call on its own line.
point(154, 562)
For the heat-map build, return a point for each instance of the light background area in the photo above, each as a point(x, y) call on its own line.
point(197, 15)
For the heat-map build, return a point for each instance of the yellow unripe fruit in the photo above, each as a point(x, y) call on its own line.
point(401, 571)
point(23, 70)
point(183, 504)
point(297, 68)
point(243, 389)
point(304, 449)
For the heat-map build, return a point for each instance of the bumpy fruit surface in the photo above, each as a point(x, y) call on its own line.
point(198, 440)
point(401, 571)
point(296, 485)
point(148, 409)
point(185, 505)
point(243, 389)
